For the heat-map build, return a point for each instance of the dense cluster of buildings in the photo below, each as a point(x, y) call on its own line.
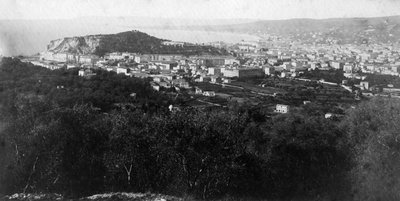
point(248, 59)
point(69, 58)
point(165, 69)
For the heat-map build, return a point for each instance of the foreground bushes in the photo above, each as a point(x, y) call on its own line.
point(374, 132)
point(51, 142)
point(79, 151)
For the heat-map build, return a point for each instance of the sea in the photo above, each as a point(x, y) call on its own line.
point(195, 36)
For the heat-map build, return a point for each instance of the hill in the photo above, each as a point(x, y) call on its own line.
point(130, 41)
point(31, 36)
point(344, 30)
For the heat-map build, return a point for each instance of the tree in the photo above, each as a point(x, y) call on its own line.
point(127, 148)
point(306, 156)
point(207, 145)
point(373, 130)
point(59, 151)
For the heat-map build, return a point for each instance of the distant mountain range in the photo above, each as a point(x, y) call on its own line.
point(345, 30)
point(130, 41)
point(31, 36)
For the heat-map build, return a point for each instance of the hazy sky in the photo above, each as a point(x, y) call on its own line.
point(195, 9)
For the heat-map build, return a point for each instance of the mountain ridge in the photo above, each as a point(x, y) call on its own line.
point(345, 30)
point(31, 36)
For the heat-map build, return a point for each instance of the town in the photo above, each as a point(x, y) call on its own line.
point(272, 73)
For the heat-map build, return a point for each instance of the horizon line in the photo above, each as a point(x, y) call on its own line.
point(194, 19)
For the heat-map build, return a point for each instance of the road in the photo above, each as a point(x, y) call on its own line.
point(203, 101)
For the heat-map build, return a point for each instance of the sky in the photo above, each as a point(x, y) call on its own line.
point(198, 9)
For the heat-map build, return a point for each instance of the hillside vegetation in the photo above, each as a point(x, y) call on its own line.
point(77, 141)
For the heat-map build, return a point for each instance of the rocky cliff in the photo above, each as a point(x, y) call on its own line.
point(80, 45)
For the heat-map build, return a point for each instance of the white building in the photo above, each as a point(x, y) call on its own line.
point(348, 68)
point(198, 91)
point(116, 56)
point(337, 65)
point(86, 73)
point(209, 93)
point(280, 108)
point(122, 71)
point(214, 71)
point(244, 72)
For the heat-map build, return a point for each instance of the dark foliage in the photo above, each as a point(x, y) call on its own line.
point(383, 80)
point(139, 42)
point(335, 76)
point(76, 141)
point(373, 131)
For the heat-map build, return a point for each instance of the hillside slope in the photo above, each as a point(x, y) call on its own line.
point(131, 41)
point(345, 30)
point(81, 45)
